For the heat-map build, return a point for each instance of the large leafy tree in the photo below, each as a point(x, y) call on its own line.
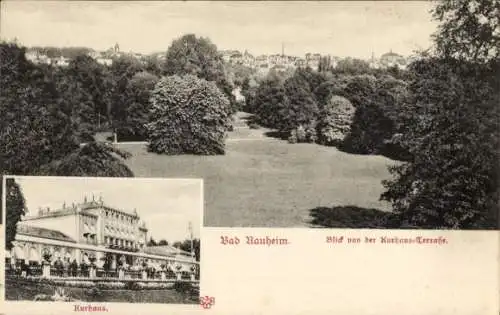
point(92, 159)
point(303, 109)
point(335, 120)
point(198, 56)
point(270, 103)
point(135, 107)
point(41, 124)
point(77, 102)
point(15, 204)
point(121, 71)
point(34, 128)
point(189, 116)
point(137, 112)
point(468, 29)
point(95, 79)
point(452, 180)
point(453, 138)
point(186, 246)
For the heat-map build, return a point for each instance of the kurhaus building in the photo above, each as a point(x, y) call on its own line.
point(90, 232)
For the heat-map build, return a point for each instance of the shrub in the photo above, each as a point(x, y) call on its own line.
point(253, 125)
point(303, 133)
point(189, 116)
point(336, 120)
point(111, 285)
point(94, 292)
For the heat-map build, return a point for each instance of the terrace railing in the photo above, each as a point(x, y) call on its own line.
point(88, 272)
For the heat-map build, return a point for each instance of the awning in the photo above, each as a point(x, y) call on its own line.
point(18, 252)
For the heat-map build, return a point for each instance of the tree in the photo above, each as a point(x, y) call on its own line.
point(468, 30)
point(162, 243)
point(453, 178)
point(269, 103)
point(96, 81)
point(302, 110)
point(136, 106)
point(198, 56)
point(35, 128)
point(152, 242)
point(42, 122)
point(189, 116)
point(325, 64)
point(335, 120)
point(121, 71)
point(16, 207)
point(186, 246)
point(453, 134)
point(352, 66)
point(78, 103)
point(92, 159)
point(371, 126)
point(329, 88)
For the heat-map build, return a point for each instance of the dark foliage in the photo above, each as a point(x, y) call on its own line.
point(35, 127)
point(453, 137)
point(92, 159)
point(189, 116)
point(198, 56)
point(270, 103)
point(302, 109)
point(15, 203)
point(352, 217)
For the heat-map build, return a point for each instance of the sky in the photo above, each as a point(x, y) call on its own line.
point(166, 205)
point(340, 28)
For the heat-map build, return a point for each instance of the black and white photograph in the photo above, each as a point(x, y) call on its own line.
point(329, 114)
point(79, 239)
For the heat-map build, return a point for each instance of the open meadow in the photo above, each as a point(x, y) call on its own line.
point(266, 182)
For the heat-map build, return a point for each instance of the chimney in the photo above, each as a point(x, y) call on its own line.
point(48, 209)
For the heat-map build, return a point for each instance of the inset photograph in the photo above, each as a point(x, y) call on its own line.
point(78, 239)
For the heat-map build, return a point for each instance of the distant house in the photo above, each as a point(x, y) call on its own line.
point(392, 59)
point(61, 62)
point(105, 61)
point(37, 58)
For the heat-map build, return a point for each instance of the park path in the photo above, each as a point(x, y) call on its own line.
point(240, 132)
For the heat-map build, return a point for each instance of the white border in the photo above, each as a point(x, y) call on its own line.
point(28, 307)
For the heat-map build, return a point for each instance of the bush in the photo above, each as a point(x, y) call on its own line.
point(303, 134)
point(111, 285)
point(336, 120)
point(189, 116)
point(352, 217)
point(253, 125)
point(94, 293)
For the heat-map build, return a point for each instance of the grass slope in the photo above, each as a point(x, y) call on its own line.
point(264, 182)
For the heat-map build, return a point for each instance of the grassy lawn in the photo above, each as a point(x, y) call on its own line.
point(19, 290)
point(264, 182)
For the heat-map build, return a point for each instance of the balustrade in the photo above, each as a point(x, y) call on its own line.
point(89, 271)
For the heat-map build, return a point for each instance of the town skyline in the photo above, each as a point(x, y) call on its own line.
point(337, 28)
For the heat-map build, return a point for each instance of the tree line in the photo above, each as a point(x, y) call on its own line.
point(440, 117)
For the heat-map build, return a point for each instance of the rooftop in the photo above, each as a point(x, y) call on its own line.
point(165, 250)
point(43, 233)
point(76, 207)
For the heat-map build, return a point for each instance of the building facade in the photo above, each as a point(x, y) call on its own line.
point(93, 233)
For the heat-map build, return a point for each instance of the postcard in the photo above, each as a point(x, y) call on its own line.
point(250, 157)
